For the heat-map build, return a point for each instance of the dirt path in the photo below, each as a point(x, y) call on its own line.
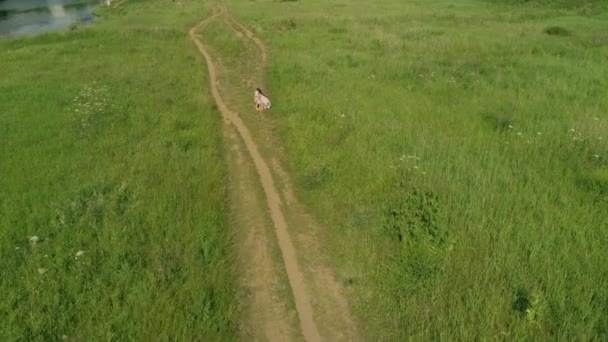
point(321, 311)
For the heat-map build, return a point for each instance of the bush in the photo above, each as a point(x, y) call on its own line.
point(416, 220)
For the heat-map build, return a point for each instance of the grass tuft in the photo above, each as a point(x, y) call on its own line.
point(557, 31)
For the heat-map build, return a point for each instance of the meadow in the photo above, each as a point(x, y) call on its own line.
point(457, 152)
point(113, 200)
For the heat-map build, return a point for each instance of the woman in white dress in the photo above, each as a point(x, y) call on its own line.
point(261, 101)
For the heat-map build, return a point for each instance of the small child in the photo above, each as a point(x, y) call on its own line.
point(261, 101)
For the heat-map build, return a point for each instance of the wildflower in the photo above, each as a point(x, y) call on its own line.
point(79, 254)
point(34, 239)
point(572, 130)
point(519, 133)
point(596, 156)
point(415, 167)
point(510, 126)
point(42, 270)
point(17, 248)
point(596, 119)
point(539, 133)
point(424, 172)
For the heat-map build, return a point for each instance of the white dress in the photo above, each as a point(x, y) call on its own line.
point(261, 100)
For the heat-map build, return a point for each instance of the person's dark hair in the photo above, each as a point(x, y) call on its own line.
point(260, 91)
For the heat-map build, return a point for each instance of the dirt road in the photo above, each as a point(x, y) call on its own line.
point(279, 242)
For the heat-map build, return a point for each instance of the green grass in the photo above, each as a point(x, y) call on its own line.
point(458, 151)
point(110, 145)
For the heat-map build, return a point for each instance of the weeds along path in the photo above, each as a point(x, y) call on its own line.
point(321, 310)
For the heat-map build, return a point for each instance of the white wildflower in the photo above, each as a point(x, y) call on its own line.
point(519, 133)
point(539, 133)
point(511, 126)
point(42, 270)
point(79, 254)
point(34, 239)
point(596, 156)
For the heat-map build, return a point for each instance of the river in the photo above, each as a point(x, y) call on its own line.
point(28, 17)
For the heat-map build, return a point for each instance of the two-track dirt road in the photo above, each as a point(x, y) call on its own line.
point(290, 291)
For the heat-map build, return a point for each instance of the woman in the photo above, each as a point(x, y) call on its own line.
point(261, 101)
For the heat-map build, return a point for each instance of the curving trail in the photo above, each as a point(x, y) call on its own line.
point(314, 280)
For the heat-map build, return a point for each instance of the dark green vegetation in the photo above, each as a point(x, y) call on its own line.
point(113, 215)
point(579, 5)
point(458, 152)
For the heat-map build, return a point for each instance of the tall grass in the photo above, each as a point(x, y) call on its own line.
point(113, 222)
point(458, 154)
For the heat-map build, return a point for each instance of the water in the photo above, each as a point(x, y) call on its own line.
point(28, 17)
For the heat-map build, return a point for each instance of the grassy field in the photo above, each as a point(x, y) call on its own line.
point(458, 152)
point(113, 211)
